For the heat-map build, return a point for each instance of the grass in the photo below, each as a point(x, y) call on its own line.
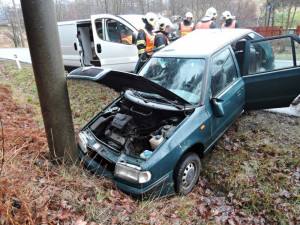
point(263, 165)
point(253, 169)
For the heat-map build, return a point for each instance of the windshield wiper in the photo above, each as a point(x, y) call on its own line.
point(176, 105)
point(136, 93)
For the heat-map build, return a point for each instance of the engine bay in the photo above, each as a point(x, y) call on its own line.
point(132, 128)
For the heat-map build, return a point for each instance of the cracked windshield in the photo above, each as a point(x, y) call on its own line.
point(183, 77)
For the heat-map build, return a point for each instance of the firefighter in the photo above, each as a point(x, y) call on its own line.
point(145, 38)
point(187, 26)
point(161, 38)
point(126, 37)
point(208, 21)
point(229, 22)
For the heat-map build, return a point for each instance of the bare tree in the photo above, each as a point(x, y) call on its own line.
point(13, 32)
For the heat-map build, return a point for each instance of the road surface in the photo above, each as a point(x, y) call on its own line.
point(11, 53)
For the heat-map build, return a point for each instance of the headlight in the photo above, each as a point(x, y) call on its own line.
point(132, 173)
point(82, 141)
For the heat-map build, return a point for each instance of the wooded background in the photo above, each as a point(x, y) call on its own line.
point(249, 13)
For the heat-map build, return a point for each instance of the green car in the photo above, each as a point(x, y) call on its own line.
point(151, 139)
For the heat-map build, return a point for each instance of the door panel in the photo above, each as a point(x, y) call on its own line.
point(228, 87)
point(273, 72)
point(108, 32)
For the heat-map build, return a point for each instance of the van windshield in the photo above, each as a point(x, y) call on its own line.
point(183, 77)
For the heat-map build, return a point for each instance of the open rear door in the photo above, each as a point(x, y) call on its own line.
point(272, 77)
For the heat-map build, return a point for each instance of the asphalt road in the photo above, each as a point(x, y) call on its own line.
point(11, 53)
point(24, 56)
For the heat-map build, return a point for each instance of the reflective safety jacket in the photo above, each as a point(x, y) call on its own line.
point(204, 25)
point(126, 39)
point(145, 41)
point(232, 25)
point(186, 29)
point(160, 40)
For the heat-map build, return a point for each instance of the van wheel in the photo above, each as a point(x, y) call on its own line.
point(186, 173)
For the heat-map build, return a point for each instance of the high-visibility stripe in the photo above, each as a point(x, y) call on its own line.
point(141, 51)
point(141, 42)
point(161, 46)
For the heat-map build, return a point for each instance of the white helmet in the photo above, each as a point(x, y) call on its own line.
point(163, 23)
point(151, 18)
point(226, 15)
point(188, 14)
point(212, 13)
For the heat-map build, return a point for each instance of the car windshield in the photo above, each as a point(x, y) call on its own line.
point(181, 76)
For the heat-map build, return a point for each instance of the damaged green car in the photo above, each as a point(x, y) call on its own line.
point(151, 139)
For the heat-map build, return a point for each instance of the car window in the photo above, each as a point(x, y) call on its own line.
point(99, 28)
point(254, 36)
point(297, 51)
point(223, 72)
point(179, 75)
point(270, 55)
point(112, 31)
point(126, 34)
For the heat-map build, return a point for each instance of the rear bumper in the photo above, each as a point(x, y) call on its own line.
point(161, 187)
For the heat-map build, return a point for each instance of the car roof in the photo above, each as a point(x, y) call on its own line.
point(202, 43)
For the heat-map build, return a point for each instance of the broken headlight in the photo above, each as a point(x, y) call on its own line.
point(82, 141)
point(132, 173)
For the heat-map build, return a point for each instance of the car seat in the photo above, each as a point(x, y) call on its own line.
point(240, 53)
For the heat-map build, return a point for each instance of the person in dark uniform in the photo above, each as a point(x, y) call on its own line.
point(229, 22)
point(208, 21)
point(145, 38)
point(187, 26)
point(161, 38)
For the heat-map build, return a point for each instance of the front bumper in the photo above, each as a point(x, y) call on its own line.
point(161, 187)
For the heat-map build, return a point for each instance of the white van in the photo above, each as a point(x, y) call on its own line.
point(104, 40)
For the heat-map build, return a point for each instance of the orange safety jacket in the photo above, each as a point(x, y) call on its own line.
point(186, 29)
point(231, 26)
point(206, 25)
point(149, 41)
point(126, 39)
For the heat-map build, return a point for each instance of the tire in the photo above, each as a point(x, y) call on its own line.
point(186, 173)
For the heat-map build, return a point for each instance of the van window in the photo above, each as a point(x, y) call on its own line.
point(112, 30)
point(99, 28)
point(126, 34)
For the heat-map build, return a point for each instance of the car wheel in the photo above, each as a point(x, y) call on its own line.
point(186, 173)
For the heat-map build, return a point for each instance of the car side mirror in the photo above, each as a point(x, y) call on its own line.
point(217, 107)
point(75, 46)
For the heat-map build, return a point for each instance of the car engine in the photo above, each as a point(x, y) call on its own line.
point(132, 128)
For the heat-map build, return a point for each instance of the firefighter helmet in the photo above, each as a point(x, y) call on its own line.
point(151, 18)
point(212, 13)
point(188, 15)
point(163, 23)
point(226, 15)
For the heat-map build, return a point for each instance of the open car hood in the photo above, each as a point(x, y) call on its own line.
point(121, 81)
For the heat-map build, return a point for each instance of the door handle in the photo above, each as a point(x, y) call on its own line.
point(239, 92)
point(99, 48)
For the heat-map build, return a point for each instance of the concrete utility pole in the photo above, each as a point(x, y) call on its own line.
point(42, 33)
